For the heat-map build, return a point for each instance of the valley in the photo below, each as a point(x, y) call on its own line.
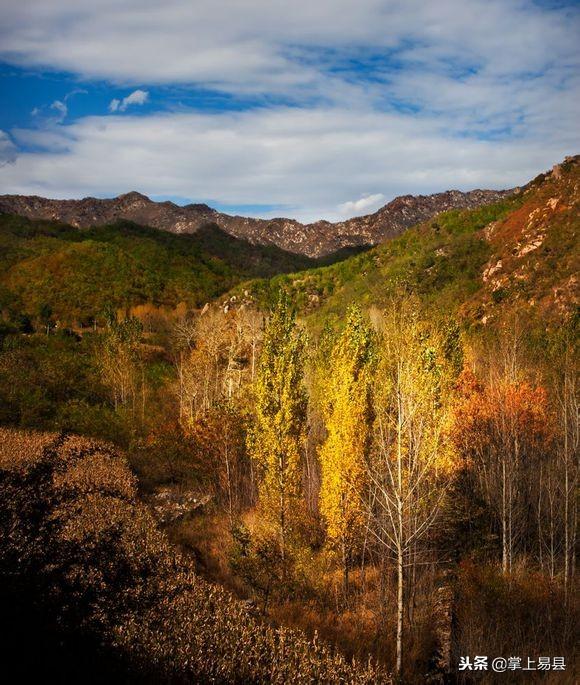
point(202, 427)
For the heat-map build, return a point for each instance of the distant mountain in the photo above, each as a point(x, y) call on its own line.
point(521, 252)
point(313, 240)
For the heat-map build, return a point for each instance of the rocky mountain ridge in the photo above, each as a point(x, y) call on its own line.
point(313, 240)
point(518, 255)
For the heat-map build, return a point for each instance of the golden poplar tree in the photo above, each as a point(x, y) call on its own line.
point(348, 417)
point(412, 463)
point(277, 436)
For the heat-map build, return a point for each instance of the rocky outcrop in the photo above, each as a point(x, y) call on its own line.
point(314, 240)
point(170, 505)
point(533, 257)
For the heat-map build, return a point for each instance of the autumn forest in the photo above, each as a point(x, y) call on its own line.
point(357, 471)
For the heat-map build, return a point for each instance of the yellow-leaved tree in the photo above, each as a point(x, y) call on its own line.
point(277, 436)
point(412, 463)
point(347, 408)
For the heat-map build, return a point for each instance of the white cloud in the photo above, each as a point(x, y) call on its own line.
point(137, 97)
point(58, 106)
point(463, 93)
point(7, 149)
point(364, 205)
point(61, 108)
point(262, 46)
point(306, 161)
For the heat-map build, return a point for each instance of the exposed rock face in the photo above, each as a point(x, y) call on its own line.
point(314, 240)
point(534, 249)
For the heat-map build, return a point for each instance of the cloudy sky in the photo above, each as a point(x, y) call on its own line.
point(309, 108)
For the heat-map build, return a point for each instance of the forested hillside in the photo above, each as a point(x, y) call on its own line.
point(377, 458)
point(521, 252)
point(77, 274)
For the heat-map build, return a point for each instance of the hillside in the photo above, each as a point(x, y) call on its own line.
point(90, 579)
point(78, 273)
point(210, 497)
point(522, 247)
point(314, 240)
point(521, 251)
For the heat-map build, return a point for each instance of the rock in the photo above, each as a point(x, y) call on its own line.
point(491, 270)
point(170, 505)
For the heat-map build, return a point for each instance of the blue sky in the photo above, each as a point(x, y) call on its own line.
point(264, 107)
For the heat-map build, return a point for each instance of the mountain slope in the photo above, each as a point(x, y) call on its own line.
point(78, 273)
point(314, 240)
point(521, 251)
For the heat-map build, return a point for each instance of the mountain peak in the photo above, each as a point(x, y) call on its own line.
point(133, 196)
point(200, 207)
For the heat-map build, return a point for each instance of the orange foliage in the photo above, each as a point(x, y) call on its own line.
point(479, 410)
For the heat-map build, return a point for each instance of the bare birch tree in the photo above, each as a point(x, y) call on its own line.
point(409, 469)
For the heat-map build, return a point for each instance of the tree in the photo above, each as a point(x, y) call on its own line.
point(212, 334)
point(566, 468)
point(504, 430)
point(347, 409)
point(119, 361)
point(251, 323)
point(412, 460)
point(214, 355)
point(220, 434)
point(276, 439)
point(569, 451)
point(45, 316)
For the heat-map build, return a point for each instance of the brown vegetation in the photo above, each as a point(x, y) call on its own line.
point(74, 536)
